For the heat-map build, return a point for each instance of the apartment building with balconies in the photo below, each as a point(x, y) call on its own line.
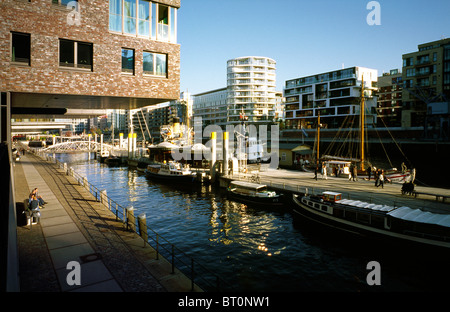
point(334, 95)
point(389, 99)
point(426, 79)
point(251, 87)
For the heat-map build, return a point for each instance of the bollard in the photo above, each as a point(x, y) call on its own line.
point(130, 220)
point(142, 224)
point(104, 198)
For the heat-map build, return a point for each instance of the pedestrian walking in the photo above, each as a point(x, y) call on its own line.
point(316, 170)
point(350, 172)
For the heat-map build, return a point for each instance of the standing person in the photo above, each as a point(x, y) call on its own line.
point(355, 173)
point(369, 172)
point(381, 179)
point(316, 169)
point(324, 171)
point(350, 172)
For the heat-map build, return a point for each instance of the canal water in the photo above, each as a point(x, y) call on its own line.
point(261, 250)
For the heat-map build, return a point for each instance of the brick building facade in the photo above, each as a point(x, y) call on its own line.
point(75, 60)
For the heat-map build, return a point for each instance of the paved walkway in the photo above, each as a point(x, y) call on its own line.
point(359, 190)
point(75, 227)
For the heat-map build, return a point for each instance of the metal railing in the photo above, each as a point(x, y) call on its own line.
point(179, 260)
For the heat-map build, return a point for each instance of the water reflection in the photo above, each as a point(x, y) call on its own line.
point(254, 249)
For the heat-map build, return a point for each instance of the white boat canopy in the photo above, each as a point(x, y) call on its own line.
point(360, 204)
point(417, 215)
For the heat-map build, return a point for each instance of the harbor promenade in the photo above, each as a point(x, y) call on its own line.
point(74, 226)
point(363, 190)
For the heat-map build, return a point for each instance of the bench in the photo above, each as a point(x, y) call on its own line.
point(438, 196)
point(31, 217)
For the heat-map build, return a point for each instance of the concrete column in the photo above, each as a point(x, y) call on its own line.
point(134, 144)
point(101, 144)
point(213, 154)
point(225, 153)
point(120, 140)
point(89, 140)
point(129, 145)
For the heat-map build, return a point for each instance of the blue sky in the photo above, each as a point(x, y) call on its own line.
point(303, 37)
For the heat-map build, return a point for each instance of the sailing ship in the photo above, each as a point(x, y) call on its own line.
point(343, 165)
point(401, 224)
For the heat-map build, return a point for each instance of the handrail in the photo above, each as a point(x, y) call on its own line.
point(186, 264)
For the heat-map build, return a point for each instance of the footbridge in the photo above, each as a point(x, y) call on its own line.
point(79, 146)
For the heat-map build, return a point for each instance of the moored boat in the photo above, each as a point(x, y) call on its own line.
point(398, 223)
point(254, 193)
point(171, 171)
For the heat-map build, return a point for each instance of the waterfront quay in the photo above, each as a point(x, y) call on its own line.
point(75, 226)
point(300, 182)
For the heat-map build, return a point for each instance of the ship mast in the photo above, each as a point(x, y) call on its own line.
point(362, 121)
point(318, 137)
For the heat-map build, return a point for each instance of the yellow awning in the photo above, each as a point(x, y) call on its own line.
point(302, 149)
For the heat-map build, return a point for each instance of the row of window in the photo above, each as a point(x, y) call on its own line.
point(143, 18)
point(154, 64)
point(79, 55)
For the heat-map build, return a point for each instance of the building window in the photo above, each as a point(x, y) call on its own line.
point(74, 54)
point(410, 72)
point(129, 16)
point(128, 61)
point(408, 61)
point(155, 64)
point(63, 2)
point(21, 48)
point(115, 15)
point(143, 18)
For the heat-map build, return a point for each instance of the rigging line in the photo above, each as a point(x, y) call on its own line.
point(146, 126)
point(140, 126)
point(382, 145)
point(345, 141)
point(331, 145)
point(350, 138)
point(398, 146)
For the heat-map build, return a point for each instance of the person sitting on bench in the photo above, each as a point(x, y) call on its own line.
point(39, 198)
point(34, 206)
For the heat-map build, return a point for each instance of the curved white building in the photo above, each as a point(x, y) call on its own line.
point(251, 84)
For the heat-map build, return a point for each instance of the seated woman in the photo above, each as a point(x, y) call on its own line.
point(39, 198)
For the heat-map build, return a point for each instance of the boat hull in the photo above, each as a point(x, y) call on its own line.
point(277, 201)
point(398, 239)
point(172, 178)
